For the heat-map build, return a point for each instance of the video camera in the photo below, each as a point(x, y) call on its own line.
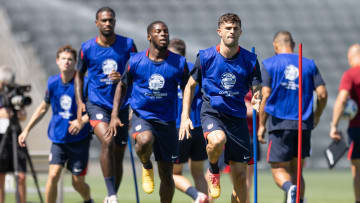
point(13, 96)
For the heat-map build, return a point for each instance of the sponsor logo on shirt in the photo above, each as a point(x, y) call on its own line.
point(65, 104)
point(108, 66)
point(228, 81)
point(156, 83)
point(291, 74)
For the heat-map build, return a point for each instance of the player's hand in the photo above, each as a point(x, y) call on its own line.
point(114, 76)
point(75, 126)
point(81, 108)
point(185, 127)
point(255, 101)
point(112, 129)
point(22, 138)
point(261, 134)
point(335, 134)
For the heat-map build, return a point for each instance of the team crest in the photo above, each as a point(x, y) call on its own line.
point(291, 72)
point(211, 125)
point(65, 102)
point(108, 66)
point(228, 80)
point(156, 82)
point(138, 127)
point(99, 116)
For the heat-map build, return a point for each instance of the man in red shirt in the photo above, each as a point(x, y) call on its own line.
point(350, 88)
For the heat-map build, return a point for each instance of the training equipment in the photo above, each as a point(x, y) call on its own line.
point(148, 180)
point(350, 110)
point(298, 182)
point(134, 171)
point(255, 148)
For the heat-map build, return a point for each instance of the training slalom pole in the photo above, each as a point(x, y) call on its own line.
point(133, 169)
point(299, 172)
point(255, 148)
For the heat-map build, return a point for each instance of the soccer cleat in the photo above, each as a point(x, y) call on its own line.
point(201, 198)
point(148, 180)
point(291, 195)
point(213, 181)
point(111, 199)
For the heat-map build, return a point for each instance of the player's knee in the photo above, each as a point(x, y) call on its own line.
point(239, 177)
point(21, 178)
point(54, 175)
point(144, 139)
point(77, 182)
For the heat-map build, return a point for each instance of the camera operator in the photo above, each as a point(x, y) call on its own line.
point(7, 77)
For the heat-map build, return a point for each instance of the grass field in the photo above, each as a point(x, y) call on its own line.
point(322, 186)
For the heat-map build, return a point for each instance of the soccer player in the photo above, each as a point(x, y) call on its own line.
point(280, 104)
point(70, 137)
point(191, 150)
point(225, 73)
point(154, 76)
point(7, 77)
point(105, 57)
point(350, 88)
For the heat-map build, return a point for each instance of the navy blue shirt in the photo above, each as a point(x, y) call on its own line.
point(155, 85)
point(280, 73)
point(64, 109)
point(225, 82)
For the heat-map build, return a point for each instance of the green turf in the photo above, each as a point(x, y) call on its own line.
point(323, 186)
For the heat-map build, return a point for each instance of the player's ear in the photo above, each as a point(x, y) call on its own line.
point(219, 31)
point(148, 37)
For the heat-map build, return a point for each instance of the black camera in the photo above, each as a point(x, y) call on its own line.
point(13, 96)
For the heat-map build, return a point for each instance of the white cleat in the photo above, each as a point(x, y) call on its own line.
point(201, 198)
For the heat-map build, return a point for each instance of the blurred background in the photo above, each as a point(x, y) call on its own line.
point(32, 31)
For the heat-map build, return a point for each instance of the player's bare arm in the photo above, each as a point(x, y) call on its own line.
point(256, 98)
point(35, 118)
point(79, 86)
point(266, 91)
point(186, 123)
point(321, 100)
point(337, 112)
point(115, 121)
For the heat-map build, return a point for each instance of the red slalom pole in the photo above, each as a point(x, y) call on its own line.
point(299, 129)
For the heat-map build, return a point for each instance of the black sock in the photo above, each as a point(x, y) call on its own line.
point(148, 165)
point(286, 186)
point(110, 185)
point(192, 192)
point(301, 201)
point(214, 168)
point(357, 201)
point(89, 201)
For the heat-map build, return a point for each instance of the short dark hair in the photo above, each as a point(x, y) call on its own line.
point(102, 9)
point(284, 37)
point(150, 26)
point(229, 18)
point(178, 45)
point(66, 48)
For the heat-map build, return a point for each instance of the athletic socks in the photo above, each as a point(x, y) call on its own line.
point(192, 192)
point(301, 201)
point(214, 168)
point(110, 185)
point(89, 201)
point(147, 165)
point(358, 202)
point(286, 186)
